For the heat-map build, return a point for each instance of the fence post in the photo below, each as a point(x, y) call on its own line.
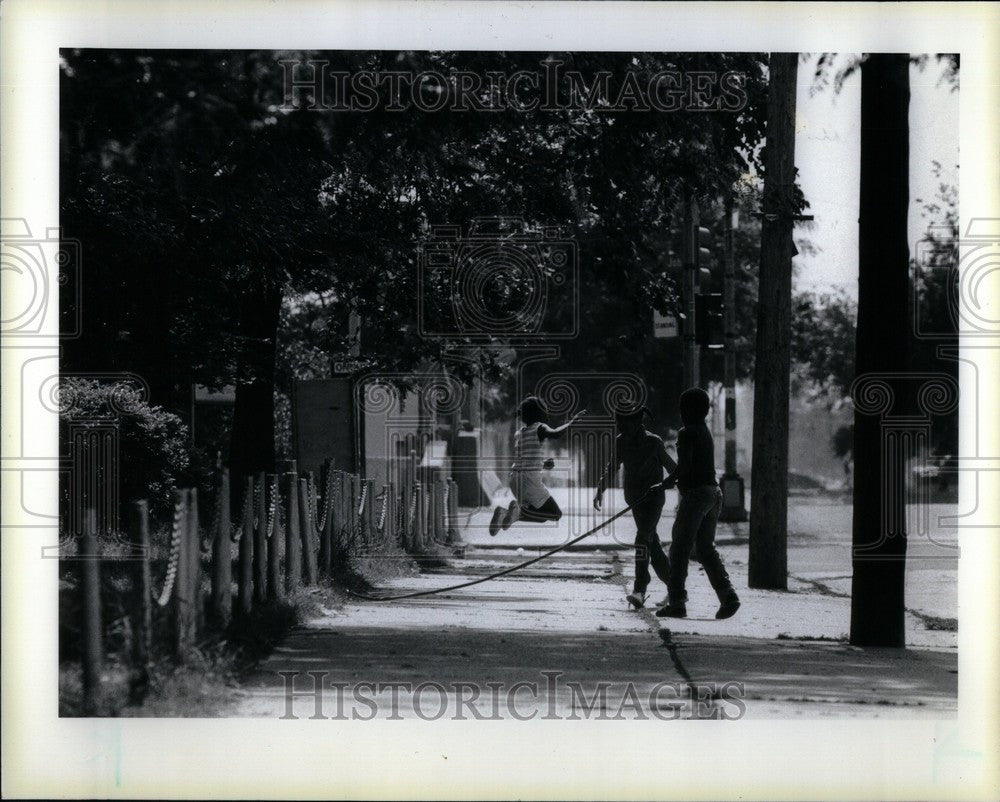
point(93, 647)
point(222, 566)
point(421, 515)
point(353, 519)
point(194, 574)
point(293, 547)
point(275, 534)
point(307, 527)
point(182, 581)
point(246, 548)
point(387, 520)
point(368, 514)
point(143, 586)
point(260, 542)
point(326, 536)
point(453, 534)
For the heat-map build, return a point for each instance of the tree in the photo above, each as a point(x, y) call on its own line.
point(190, 165)
point(879, 536)
point(768, 563)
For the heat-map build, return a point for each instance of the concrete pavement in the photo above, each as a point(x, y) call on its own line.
point(557, 640)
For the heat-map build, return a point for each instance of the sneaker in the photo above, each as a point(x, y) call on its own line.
point(672, 611)
point(495, 521)
point(729, 607)
point(636, 599)
point(513, 513)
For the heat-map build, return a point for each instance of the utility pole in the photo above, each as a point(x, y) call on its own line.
point(768, 564)
point(878, 610)
point(733, 492)
point(692, 351)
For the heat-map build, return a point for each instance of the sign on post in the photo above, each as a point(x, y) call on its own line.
point(665, 326)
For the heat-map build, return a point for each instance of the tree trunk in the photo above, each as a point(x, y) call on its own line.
point(768, 563)
point(252, 445)
point(879, 557)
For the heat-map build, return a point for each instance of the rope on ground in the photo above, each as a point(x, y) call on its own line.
point(417, 593)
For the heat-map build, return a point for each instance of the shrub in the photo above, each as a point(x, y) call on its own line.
point(152, 444)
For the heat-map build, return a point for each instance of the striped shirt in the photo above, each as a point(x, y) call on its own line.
point(527, 449)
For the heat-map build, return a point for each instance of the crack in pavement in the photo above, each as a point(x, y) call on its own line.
point(930, 622)
point(656, 628)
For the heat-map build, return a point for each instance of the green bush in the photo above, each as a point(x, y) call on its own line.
point(152, 444)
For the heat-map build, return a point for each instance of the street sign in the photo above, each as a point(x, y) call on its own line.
point(665, 326)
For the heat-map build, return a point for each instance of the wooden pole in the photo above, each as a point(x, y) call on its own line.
point(275, 590)
point(453, 533)
point(93, 646)
point(246, 548)
point(353, 519)
point(307, 528)
point(260, 542)
point(222, 559)
point(326, 537)
point(143, 590)
point(194, 572)
point(884, 341)
point(768, 563)
point(293, 537)
point(182, 582)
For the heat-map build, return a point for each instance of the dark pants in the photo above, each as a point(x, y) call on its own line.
point(697, 515)
point(549, 511)
point(647, 543)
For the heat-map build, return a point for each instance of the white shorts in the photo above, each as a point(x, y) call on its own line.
point(528, 489)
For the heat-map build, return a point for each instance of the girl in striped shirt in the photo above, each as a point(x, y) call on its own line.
point(532, 500)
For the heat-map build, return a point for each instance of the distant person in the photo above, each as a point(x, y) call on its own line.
point(644, 458)
point(697, 512)
point(532, 500)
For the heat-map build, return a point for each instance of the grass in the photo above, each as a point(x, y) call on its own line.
point(202, 684)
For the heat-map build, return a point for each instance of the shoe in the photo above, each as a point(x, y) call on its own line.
point(672, 611)
point(513, 513)
point(495, 521)
point(666, 600)
point(729, 607)
point(636, 599)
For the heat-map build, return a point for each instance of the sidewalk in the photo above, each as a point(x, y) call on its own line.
point(819, 547)
point(784, 650)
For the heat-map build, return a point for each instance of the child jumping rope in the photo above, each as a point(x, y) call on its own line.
point(644, 457)
point(532, 500)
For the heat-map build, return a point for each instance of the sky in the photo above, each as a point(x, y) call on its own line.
point(827, 153)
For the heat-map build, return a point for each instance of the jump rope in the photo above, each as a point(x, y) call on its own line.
point(418, 593)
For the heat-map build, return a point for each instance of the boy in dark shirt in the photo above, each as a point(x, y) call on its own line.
point(644, 457)
point(698, 511)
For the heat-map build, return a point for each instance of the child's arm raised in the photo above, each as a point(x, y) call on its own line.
point(612, 468)
point(546, 432)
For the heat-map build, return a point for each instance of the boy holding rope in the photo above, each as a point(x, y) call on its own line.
point(644, 457)
point(698, 511)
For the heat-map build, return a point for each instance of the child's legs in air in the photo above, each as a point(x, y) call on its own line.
point(549, 511)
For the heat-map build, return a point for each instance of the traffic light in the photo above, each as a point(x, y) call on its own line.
point(708, 322)
point(704, 254)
